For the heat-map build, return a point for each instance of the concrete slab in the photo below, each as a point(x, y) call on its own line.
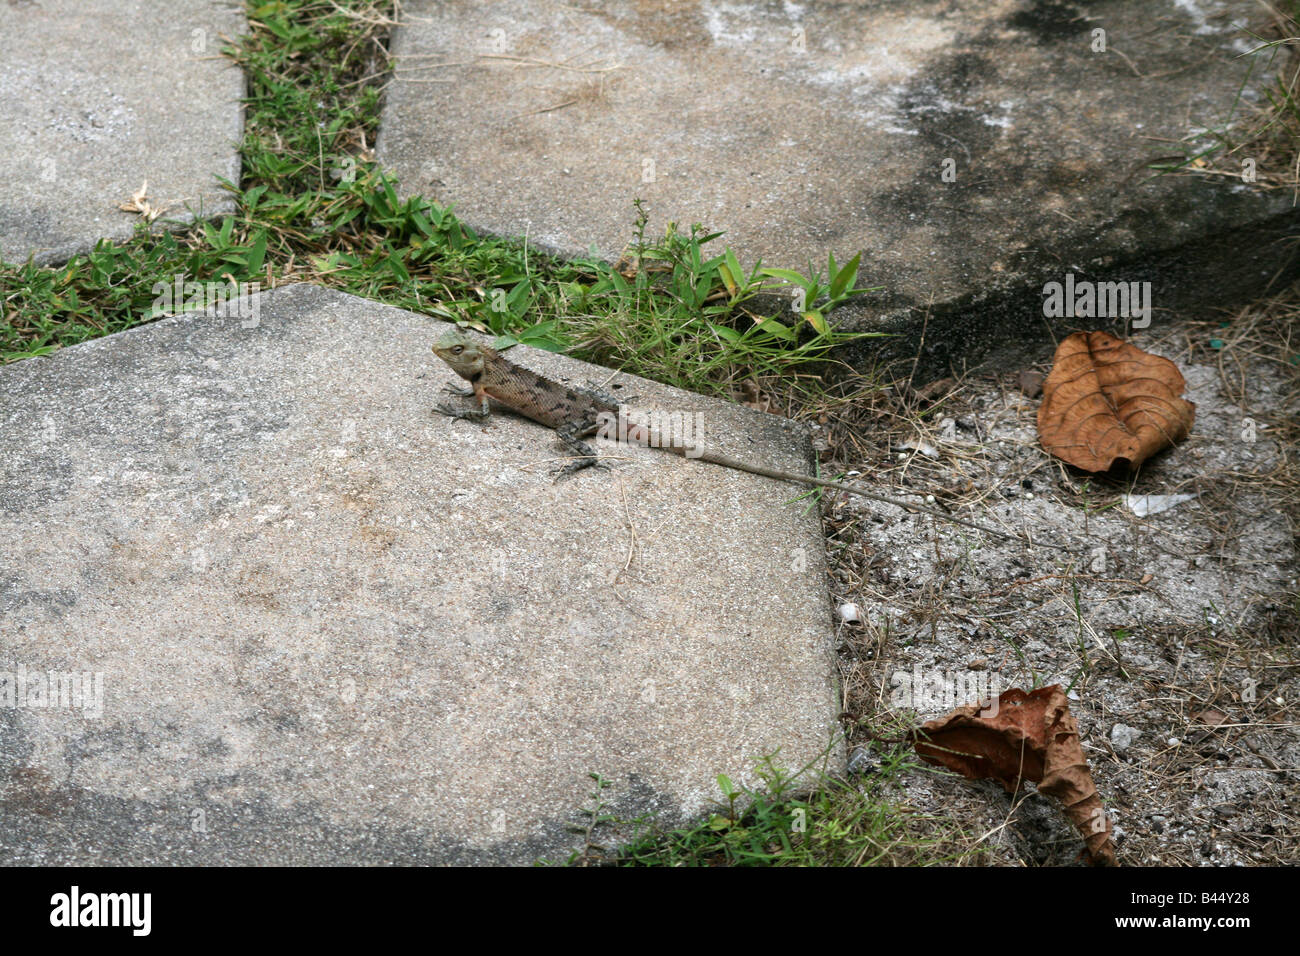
point(808, 128)
point(101, 96)
point(333, 627)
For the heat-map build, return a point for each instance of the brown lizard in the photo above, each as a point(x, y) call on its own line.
point(575, 413)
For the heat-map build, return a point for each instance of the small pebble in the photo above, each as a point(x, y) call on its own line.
point(850, 613)
point(1122, 737)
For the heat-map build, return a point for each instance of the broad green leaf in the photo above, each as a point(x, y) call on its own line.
point(728, 279)
point(540, 330)
point(790, 276)
point(252, 196)
point(844, 279)
point(733, 266)
point(257, 254)
point(776, 329)
point(618, 282)
point(347, 217)
point(542, 342)
point(398, 268)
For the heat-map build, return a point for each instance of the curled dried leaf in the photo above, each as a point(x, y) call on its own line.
point(1025, 736)
point(1107, 402)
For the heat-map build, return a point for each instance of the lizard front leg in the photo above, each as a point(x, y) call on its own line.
point(472, 414)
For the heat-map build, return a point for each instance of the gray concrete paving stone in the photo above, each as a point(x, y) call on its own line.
point(98, 97)
point(970, 149)
point(332, 627)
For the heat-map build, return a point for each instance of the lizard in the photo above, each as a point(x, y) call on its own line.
point(575, 413)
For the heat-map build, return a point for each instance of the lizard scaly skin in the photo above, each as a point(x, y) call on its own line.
point(575, 413)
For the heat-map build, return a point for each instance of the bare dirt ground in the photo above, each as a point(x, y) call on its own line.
point(1175, 633)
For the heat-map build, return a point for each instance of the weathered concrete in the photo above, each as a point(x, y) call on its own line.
point(803, 128)
point(334, 627)
point(100, 96)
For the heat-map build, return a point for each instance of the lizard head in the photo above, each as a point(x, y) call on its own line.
point(462, 353)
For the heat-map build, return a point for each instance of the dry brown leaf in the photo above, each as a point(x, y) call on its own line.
point(1030, 382)
point(750, 395)
point(1107, 402)
point(140, 203)
point(1212, 717)
point(935, 390)
point(1032, 736)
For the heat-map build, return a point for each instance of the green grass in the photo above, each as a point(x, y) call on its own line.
point(313, 206)
point(1256, 142)
point(805, 818)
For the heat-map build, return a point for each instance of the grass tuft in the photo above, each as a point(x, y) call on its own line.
point(314, 206)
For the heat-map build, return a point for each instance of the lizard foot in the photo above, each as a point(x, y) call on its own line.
point(472, 416)
point(578, 465)
point(608, 398)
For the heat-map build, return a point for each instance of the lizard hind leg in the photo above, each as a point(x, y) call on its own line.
point(571, 434)
point(468, 414)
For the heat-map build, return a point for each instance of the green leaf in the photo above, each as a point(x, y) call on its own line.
point(728, 279)
point(817, 321)
point(790, 276)
point(347, 217)
point(731, 267)
point(252, 196)
point(519, 298)
point(257, 254)
point(845, 277)
point(542, 342)
point(32, 353)
point(725, 785)
point(398, 268)
point(540, 330)
point(776, 329)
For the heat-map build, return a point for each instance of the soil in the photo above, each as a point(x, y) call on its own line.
point(1175, 633)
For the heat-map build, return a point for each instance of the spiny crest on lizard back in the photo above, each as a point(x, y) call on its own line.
point(463, 354)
